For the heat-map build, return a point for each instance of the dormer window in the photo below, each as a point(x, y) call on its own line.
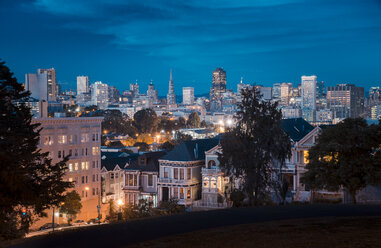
point(211, 164)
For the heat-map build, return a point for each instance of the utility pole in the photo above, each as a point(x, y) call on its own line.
point(53, 219)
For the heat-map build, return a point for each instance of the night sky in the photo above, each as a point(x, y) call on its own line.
point(264, 41)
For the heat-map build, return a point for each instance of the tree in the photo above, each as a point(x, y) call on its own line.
point(146, 120)
point(256, 147)
point(142, 146)
point(29, 179)
point(345, 156)
point(181, 122)
point(203, 124)
point(71, 205)
point(193, 120)
point(167, 146)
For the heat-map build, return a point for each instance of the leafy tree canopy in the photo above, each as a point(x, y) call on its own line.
point(146, 120)
point(345, 155)
point(71, 205)
point(193, 120)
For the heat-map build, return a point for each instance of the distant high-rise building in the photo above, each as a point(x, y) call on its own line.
point(135, 88)
point(52, 82)
point(346, 100)
point(285, 93)
point(113, 94)
point(37, 84)
point(171, 97)
point(188, 95)
point(152, 94)
point(218, 84)
point(309, 92)
point(99, 94)
point(276, 91)
point(266, 93)
point(83, 85)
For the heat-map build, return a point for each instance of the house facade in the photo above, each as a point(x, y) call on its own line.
point(141, 176)
point(180, 171)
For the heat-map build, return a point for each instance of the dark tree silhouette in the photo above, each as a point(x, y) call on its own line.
point(29, 179)
point(255, 145)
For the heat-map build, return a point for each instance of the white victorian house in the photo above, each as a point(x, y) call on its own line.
point(180, 171)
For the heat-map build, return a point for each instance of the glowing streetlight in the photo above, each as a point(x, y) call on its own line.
point(229, 122)
point(120, 202)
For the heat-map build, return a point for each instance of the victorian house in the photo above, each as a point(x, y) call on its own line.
point(180, 171)
point(141, 176)
point(215, 185)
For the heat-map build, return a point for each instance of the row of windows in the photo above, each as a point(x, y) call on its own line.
point(70, 139)
point(95, 191)
point(84, 152)
point(84, 166)
point(210, 182)
point(84, 179)
point(178, 173)
point(179, 193)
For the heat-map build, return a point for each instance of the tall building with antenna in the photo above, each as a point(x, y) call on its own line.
point(171, 97)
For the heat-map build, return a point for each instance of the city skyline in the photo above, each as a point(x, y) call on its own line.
point(264, 42)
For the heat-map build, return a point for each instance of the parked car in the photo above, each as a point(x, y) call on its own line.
point(92, 221)
point(48, 226)
point(78, 223)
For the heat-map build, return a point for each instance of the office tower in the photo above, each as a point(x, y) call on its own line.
point(285, 93)
point(188, 95)
point(99, 94)
point(346, 100)
point(266, 93)
point(276, 91)
point(171, 97)
point(152, 93)
point(37, 84)
point(218, 84)
point(52, 82)
point(375, 112)
point(82, 85)
point(113, 94)
point(320, 90)
point(135, 88)
point(81, 139)
point(309, 92)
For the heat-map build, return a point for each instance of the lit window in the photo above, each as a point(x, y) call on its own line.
point(62, 139)
point(70, 179)
point(83, 166)
point(305, 157)
point(87, 165)
point(181, 193)
point(70, 167)
point(206, 182)
point(76, 166)
point(213, 182)
point(188, 193)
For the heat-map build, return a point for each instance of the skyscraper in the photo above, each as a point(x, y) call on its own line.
point(309, 92)
point(82, 85)
point(346, 101)
point(37, 84)
point(218, 84)
point(99, 94)
point(152, 93)
point(171, 97)
point(285, 93)
point(135, 88)
point(188, 95)
point(52, 83)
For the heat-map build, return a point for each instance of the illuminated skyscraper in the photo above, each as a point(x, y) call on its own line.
point(346, 101)
point(52, 82)
point(218, 84)
point(82, 85)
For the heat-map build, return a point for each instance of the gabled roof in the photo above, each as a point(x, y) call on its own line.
point(151, 162)
point(296, 128)
point(111, 159)
point(191, 150)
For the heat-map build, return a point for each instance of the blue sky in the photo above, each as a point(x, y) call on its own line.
point(264, 41)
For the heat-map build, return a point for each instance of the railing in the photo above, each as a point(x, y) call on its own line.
point(205, 204)
point(181, 181)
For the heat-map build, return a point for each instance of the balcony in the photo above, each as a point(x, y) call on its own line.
point(178, 181)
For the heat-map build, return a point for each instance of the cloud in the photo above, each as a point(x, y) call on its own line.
point(187, 30)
